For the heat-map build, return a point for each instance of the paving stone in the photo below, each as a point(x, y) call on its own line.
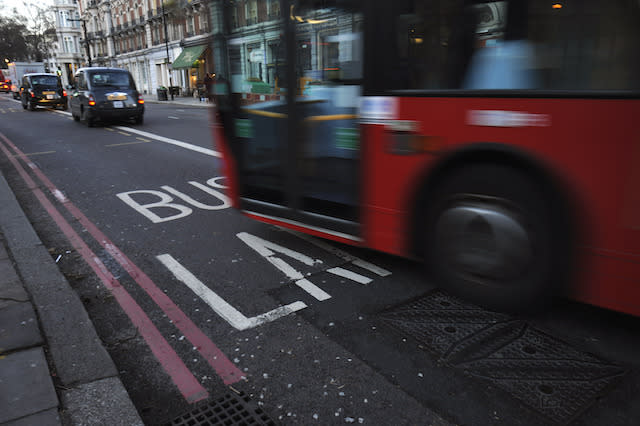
point(43, 418)
point(11, 289)
point(25, 385)
point(3, 250)
point(18, 327)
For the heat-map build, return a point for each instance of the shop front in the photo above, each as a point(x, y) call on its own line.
point(193, 62)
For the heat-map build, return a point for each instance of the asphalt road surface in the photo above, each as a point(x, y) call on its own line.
point(198, 305)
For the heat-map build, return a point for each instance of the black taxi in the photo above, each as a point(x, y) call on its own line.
point(42, 89)
point(105, 94)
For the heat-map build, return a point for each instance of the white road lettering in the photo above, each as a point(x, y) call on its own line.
point(345, 273)
point(225, 203)
point(213, 182)
point(341, 254)
point(145, 209)
point(230, 314)
point(263, 248)
point(166, 201)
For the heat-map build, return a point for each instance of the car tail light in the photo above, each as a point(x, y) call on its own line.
point(92, 100)
point(33, 95)
point(140, 100)
point(64, 93)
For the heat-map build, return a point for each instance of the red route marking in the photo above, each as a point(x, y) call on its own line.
point(189, 386)
point(227, 371)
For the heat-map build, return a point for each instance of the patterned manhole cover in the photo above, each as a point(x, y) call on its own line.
point(545, 373)
point(228, 410)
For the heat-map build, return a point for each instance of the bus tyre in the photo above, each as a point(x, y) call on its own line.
point(495, 238)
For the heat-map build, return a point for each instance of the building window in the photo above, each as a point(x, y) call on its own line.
point(252, 12)
point(68, 45)
point(274, 9)
point(190, 26)
point(234, 16)
point(64, 19)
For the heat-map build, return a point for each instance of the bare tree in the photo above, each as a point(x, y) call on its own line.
point(25, 31)
point(13, 45)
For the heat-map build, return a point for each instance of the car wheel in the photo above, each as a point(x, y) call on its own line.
point(139, 119)
point(64, 107)
point(494, 237)
point(32, 106)
point(86, 118)
point(74, 116)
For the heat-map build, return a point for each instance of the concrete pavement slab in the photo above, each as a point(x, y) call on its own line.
point(78, 356)
point(18, 328)
point(44, 418)
point(11, 289)
point(25, 385)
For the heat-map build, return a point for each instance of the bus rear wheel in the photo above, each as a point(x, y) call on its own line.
point(494, 238)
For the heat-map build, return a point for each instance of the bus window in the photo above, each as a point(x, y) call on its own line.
point(586, 45)
point(329, 73)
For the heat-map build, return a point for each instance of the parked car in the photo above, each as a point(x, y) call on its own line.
point(42, 89)
point(105, 94)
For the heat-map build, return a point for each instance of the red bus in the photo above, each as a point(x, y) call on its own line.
point(495, 140)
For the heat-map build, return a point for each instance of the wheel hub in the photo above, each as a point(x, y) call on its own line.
point(483, 241)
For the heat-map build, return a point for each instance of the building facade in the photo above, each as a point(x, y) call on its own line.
point(170, 42)
point(132, 34)
point(67, 48)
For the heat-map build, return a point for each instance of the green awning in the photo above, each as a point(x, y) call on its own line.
point(188, 56)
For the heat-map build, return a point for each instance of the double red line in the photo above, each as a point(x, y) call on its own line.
point(186, 382)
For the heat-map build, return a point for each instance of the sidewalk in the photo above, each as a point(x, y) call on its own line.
point(45, 332)
point(178, 100)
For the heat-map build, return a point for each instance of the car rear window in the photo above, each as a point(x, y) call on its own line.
point(44, 80)
point(110, 78)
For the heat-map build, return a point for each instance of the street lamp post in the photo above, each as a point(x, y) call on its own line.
point(166, 46)
point(86, 39)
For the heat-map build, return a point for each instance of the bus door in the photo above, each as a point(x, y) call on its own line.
point(296, 85)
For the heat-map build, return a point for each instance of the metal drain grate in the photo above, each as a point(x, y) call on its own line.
point(547, 374)
point(228, 410)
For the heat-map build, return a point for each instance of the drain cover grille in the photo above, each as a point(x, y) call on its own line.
point(545, 373)
point(228, 410)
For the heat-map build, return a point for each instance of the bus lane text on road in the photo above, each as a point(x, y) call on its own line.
point(164, 201)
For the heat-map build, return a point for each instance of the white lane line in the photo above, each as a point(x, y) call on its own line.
point(345, 273)
point(340, 253)
point(159, 138)
point(172, 141)
point(230, 314)
point(173, 117)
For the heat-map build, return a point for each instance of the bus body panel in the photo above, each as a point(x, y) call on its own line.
point(591, 145)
